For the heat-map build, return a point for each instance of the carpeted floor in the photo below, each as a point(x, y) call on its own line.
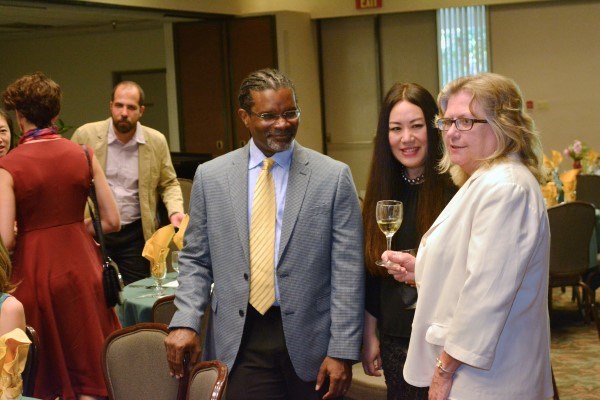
point(575, 351)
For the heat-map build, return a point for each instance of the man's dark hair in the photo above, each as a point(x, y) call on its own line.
point(260, 80)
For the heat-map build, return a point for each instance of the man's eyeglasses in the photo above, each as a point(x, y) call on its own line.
point(289, 115)
point(462, 124)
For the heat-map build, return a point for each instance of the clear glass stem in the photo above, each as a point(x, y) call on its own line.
point(388, 239)
point(159, 288)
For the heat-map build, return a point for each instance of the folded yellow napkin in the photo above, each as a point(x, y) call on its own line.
point(550, 193)
point(569, 182)
point(178, 238)
point(591, 162)
point(557, 158)
point(554, 162)
point(14, 347)
point(156, 248)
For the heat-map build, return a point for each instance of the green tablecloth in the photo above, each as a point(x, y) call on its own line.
point(137, 309)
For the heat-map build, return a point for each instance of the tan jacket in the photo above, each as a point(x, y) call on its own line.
point(156, 173)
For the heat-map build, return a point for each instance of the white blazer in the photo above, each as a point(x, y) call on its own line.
point(482, 275)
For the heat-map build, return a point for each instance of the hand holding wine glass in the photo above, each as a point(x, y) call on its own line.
point(389, 218)
point(401, 265)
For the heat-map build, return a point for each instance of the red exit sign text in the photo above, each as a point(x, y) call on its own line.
point(362, 4)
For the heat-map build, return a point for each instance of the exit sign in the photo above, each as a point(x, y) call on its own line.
point(362, 4)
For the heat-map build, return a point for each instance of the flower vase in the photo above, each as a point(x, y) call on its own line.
point(559, 185)
point(577, 164)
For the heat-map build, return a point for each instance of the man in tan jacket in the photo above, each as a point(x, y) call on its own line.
point(138, 167)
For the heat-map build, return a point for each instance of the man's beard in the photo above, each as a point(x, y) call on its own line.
point(278, 146)
point(123, 126)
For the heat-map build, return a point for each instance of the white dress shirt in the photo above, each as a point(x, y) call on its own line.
point(122, 173)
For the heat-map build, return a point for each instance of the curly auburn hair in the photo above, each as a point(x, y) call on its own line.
point(36, 97)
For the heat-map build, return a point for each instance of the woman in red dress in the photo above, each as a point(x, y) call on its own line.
point(44, 184)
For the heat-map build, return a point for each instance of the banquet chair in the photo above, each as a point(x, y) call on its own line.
point(571, 228)
point(592, 279)
point(186, 191)
point(31, 366)
point(588, 189)
point(163, 309)
point(134, 362)
point(207, 381)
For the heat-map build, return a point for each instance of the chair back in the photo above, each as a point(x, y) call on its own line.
point(571, 228)
point(162, 216)
point(186, 191)
point(588, 189)
point(31, 366)
point(134, 363)
point(207, 381)
point(163, 309)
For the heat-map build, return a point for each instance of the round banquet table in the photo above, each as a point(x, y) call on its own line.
point(136, 309)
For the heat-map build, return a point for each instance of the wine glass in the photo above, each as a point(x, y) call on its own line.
point(158, 270)
point(389, 218)
point(175, 260)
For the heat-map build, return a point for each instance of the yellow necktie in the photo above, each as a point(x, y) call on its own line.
point(262, 241)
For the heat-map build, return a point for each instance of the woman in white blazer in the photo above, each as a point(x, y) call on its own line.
point(481, 328)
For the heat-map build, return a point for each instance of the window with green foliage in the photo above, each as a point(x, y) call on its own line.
point(462, 42)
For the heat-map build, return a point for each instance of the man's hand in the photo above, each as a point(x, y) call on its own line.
point(176, 219)
point(340, 377)
point(179, 342)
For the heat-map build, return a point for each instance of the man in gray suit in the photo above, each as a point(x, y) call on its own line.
point(303, 345)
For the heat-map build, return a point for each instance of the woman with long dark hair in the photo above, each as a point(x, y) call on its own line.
point(404, 167)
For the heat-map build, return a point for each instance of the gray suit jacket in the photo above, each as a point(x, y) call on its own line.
point(320, 271)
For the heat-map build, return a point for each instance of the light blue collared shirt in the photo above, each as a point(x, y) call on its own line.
point(280, 172)
point(122, 173)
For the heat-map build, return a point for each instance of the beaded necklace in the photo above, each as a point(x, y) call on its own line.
point(416, 181)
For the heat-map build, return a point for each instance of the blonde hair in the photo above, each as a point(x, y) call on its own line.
point(5, 270)
point(503, 106)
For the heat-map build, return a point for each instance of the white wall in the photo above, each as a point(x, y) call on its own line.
point(298, 59)
point(316, 8)
point(551, 48)
point(409, 50)
point(553, 52)
point(83, 65)
point(351, 90)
